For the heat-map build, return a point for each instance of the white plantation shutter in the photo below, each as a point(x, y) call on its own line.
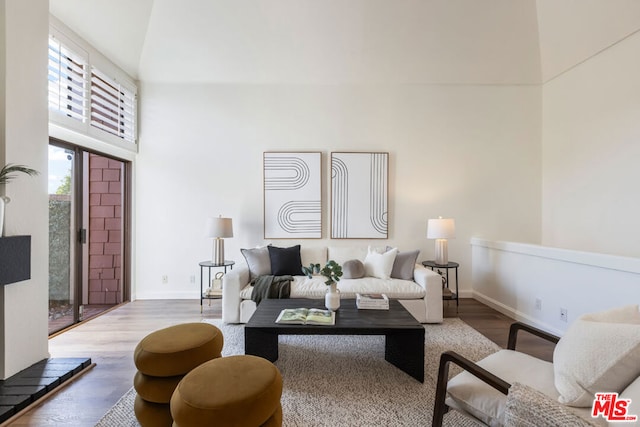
point(67, 80)
point(88, 94)
point(113, 106)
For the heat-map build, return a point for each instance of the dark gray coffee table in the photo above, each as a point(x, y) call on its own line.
point(404, 336)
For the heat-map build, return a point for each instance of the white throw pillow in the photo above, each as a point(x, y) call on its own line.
point(600, 352)
point(379, 264)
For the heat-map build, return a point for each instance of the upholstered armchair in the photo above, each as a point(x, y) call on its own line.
point(599, 352)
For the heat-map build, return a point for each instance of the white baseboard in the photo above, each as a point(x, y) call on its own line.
point(515, 314)
point(166, 295)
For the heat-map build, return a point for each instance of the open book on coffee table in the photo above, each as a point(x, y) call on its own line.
point(307, 316)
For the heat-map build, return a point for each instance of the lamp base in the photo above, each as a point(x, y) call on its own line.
point(218, 251)
point(441, 252)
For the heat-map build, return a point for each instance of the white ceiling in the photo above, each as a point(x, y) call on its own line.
point(349, 41)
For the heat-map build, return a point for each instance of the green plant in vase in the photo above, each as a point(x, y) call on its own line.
point(332, 271)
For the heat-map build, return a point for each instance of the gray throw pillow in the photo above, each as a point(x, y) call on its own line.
point(404, 265)
point(352, 269)
point(258, 261)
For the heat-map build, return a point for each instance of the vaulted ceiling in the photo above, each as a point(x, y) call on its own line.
point(349, 41)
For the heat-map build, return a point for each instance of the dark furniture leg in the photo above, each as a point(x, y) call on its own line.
point(405, 350)
point(259, 343)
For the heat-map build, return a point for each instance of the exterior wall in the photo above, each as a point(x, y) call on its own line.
point(105, 230)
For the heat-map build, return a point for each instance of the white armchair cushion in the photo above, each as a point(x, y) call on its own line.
point(471, 395)
point(600, 352)
point(527, 407)
point(631, 392)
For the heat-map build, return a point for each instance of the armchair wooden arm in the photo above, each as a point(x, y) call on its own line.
point(440, 407)
point(519, 326)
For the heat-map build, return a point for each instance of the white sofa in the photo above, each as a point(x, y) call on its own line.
point(422, 296)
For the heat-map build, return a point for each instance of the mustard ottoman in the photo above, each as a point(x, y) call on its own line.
point(234, 391)
point(163, 358)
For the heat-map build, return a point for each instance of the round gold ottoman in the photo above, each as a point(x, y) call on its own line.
point(163, 358)
point(177, 349)
point(234, 391)
point(152, 414)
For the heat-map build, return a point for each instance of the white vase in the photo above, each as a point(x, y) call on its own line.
point(332, 298)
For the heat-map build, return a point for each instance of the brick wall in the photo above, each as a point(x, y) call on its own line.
point(105, 230)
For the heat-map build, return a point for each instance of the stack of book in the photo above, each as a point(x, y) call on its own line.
point(372, 302)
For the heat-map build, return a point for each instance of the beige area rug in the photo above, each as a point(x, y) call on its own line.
point(344, 380)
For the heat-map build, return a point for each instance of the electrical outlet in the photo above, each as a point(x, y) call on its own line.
point(538, 304)
point(192, 278)
point(165, 279)
point(563, 314)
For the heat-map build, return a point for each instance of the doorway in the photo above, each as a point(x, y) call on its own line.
point(88, 234)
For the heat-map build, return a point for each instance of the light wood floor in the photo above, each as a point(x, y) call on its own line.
point(109, 341)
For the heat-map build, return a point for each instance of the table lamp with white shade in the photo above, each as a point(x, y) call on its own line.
point(218, 228)
point(441, 229)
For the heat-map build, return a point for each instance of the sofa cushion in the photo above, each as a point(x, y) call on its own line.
point(353, 269)
point(404, 264)
point(303, 287)
point(310, 255)
point(257, 260)
point(600, 352)
point(379, 264)
point(285, 261)
point(341, 254)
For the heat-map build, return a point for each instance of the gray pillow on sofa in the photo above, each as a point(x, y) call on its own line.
point(258, 261)
point(353, 269)
point(404, 264)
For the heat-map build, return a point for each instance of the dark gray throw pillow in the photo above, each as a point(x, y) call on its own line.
point(352, 269)
point(285, 261)
point(257, 261)
point(404, 264)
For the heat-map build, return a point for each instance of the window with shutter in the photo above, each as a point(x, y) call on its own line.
point(113, 106)
point(67, 80)
point(88, 94)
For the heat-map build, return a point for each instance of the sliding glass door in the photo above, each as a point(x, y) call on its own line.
point(88, 209)
point(63, 307)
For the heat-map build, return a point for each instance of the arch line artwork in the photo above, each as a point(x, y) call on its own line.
point(359, 195)
point(292, 195)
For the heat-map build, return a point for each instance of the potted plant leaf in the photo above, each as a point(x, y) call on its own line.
point(7, 174)
point(332, 271)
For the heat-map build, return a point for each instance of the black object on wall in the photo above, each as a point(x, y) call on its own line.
point(15, 259)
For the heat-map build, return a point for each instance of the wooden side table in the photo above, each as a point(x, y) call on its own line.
point(447, 294)
point(209, 265)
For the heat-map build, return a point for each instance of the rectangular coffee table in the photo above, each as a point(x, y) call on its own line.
point(404, 336)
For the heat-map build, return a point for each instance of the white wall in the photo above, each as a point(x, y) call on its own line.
point(469, 152)
point(572, 31)
point(591, 147)
point(511, 276)
point(24, 140)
